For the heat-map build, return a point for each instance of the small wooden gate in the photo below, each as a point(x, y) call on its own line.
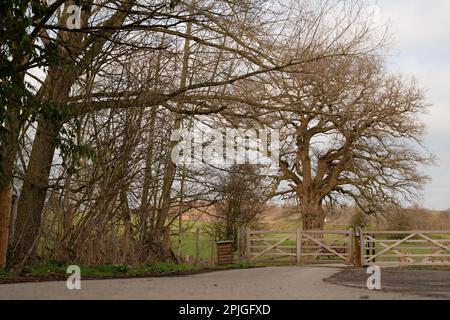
point(299, 246)
point(398, 248)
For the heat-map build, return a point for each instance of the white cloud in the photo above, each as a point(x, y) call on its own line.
point(421, 32)
point(417, 23)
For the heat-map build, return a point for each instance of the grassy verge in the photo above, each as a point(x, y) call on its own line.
point(56, 271)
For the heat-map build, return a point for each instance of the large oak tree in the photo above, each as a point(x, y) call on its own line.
point(351, 132)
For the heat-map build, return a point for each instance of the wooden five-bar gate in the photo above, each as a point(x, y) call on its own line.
point(359, 247)
point(398, 248)
point(312, 246)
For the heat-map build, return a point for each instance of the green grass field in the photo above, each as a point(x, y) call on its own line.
point(188, 243)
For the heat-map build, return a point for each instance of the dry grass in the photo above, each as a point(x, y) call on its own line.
point(288, 218)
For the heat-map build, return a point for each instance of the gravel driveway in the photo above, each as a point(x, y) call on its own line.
point(306, 282)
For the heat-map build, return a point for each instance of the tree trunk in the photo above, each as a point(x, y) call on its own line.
point(169, 176)
point(313, 215)
point(68, 219)
point(34, 189)
point(5, 216)
point(313, 218)
point(12, 231)
point(171, 167)
point(8, 153)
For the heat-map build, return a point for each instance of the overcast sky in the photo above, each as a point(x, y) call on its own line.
point(421, 48)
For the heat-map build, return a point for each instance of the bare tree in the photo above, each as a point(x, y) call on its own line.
point(241, 194)
point(111, 32)
point(350, 132)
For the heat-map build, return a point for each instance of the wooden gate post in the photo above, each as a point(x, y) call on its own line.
point(197, 246)
point(247, 244)
point(239, 244)
point(357, 245)
point(213, 245)
point(351, 248)
point(299, 246)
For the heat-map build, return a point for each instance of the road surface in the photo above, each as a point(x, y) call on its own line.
point(292, 282)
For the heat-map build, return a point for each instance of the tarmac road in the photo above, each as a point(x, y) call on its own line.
point(304, 282)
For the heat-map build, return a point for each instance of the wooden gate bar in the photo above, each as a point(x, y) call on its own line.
point(393, 246)
point(435, 242)
point(400, 254)
point(299, 246)
point(269, 248)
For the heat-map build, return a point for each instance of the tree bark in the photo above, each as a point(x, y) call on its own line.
point(5, 217)
point(171, 167)
point(313, 218)
point(313, 215)
point(169, 176)
point(34, 189)
point(8, 153)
